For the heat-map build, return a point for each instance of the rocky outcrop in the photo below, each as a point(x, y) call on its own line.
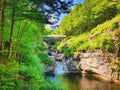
point(72, 64)
point(98, 62)
point(50, 67)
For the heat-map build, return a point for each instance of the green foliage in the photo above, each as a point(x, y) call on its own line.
point(88, 15)
point(32, 70)
point(41, 47)
point(27, 73)
point(31, 50)
point(104, 42)
point(100, 37)
point(9, 77)
point(32, 74)
point(44, 58)
point(118, 7)
point(21, 31)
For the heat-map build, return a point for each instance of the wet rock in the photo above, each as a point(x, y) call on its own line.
point(75, 63)
point(96, 61)
point(50, 68)
point(52, 58)
point(59, 57)
point(71, 65)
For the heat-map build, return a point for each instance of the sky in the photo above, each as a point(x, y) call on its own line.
point(75, 2)
point(63, 15)
point(78, 1)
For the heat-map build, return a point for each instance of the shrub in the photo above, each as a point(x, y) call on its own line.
point(9, 76)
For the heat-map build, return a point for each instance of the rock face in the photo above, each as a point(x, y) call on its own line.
point(97, 62)
point(50, 68)
point(72, 64)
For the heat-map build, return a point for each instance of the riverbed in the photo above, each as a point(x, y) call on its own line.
point(78, 81)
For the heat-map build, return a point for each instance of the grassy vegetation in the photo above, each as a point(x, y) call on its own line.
point(28, 73)
point(100, 37)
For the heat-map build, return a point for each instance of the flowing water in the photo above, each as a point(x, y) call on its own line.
point(75, 81)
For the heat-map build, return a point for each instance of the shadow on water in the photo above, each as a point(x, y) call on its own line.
point(75, 81)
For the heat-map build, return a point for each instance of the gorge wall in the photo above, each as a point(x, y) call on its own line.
point(98, 62)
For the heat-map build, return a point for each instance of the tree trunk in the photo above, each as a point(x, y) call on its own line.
point(3, 5)
point(19, 39)
point(0, 20)
point(17, 43)
point(12, 31)
point(2, 28)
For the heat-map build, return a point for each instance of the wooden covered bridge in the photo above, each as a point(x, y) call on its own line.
point(54, 37)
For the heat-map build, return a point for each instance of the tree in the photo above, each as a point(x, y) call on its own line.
point(88, 15)
point(23, 28)
point(2, 19)
point(12, 29)
point(35, 10)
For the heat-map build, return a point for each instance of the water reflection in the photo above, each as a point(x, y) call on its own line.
point(78, 82)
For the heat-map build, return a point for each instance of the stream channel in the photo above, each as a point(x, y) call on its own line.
point(77, 81)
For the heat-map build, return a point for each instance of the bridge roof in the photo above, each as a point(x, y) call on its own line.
point(58, 36)
point(54, 37)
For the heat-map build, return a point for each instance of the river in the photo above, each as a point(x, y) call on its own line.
point(76, 81)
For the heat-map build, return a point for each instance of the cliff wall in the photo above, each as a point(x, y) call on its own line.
point(98, 62)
